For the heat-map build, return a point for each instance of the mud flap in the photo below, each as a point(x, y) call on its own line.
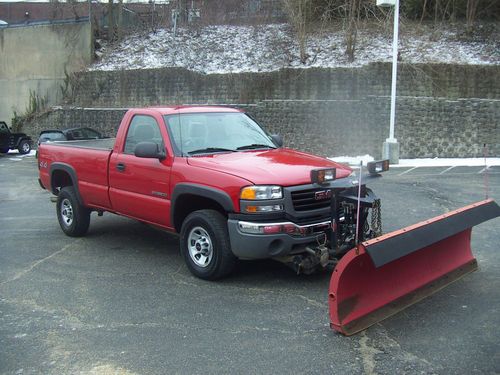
point(385, 275)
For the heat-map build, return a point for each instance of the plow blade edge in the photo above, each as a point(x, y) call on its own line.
point(384, 275)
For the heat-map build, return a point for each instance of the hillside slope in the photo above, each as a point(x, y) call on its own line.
point(234, 49)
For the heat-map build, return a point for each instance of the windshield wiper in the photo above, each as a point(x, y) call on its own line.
point(254, 146)
point(210, 149)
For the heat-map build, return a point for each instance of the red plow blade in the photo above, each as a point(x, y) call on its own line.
point(385, 275)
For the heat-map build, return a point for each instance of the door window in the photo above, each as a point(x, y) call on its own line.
point(4, 128)
point(142, 129)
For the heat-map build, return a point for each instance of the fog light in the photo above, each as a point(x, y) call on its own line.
point(323, 176)
point(251, 228)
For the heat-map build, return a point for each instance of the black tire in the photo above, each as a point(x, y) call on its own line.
point(205, 245)
point(73, 218)
point(24, 147)
point(4, 150)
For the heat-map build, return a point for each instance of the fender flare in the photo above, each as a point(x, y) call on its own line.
point(23, 138)
point(219, 196)
point(54, 167)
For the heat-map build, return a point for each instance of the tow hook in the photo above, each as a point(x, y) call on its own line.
point(313, 259)
point(321, 253)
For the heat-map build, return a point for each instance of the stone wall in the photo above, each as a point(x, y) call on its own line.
point(442, 111)
point(178, 85)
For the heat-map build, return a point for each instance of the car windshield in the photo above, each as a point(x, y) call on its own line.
point(199, 133)
point(52, 136)
point(82, 133)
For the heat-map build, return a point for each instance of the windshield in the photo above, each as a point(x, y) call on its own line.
point(52, 136)
point(195, 133)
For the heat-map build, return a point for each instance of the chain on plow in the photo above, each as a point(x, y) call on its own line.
point(376, 218)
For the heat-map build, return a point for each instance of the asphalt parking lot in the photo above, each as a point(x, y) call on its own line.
point(121, 301)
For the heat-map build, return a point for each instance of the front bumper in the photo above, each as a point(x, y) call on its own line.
point(261, 246)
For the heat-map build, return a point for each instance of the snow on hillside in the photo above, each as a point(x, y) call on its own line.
point(234, 49)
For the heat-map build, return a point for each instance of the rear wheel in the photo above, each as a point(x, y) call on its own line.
point(24, 147)
point(205, 245)
point(74, 218)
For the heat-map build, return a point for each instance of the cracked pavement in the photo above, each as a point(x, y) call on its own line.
point(121, 301)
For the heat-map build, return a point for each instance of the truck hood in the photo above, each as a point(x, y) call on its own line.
point(280, 166)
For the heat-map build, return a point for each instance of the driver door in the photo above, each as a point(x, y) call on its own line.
point(139, 187)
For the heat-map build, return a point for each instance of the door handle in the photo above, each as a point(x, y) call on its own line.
point(120, 167)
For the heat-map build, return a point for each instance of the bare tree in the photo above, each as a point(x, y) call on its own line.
point(119, 23)
point(471, 13)
point(298, 12)
point(352, 12)
point(56, 7)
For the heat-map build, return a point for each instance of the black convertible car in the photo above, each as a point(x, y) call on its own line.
point(11, 141)
point(74, 134)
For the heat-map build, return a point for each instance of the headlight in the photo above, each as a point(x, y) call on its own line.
point(259, 209)
point(261, 192)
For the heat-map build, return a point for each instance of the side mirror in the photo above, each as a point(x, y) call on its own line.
point(149, 150)
point(277, 139)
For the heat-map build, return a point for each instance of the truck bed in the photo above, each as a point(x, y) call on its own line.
point(99, 144)
point(88, 159)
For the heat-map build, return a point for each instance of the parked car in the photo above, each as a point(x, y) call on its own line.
point(73, 134)
point(11, 141)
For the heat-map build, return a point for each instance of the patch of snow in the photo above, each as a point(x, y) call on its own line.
point(353, 160)
point(20, 156)
point(234, 49)
point(422, 162)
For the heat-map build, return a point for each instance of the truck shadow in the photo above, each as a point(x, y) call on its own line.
point(125, 236)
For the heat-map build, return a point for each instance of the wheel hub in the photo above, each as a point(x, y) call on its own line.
point(200, 247)
point(67, 212)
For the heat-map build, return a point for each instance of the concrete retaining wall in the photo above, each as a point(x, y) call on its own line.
point(35, 58)
point(442, 110)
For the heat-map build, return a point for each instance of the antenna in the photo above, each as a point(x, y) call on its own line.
point(359, 204)
point(485, 174)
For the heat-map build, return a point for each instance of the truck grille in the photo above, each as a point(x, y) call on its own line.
point(305, 200)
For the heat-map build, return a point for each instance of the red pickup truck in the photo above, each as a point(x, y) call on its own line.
point(216, 177)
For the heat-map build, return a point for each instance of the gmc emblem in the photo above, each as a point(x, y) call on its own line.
point(322, 195)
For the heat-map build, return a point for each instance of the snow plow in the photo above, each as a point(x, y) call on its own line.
point(376, 275)
point(383, 275)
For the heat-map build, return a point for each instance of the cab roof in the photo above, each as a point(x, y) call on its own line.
point(169, 110)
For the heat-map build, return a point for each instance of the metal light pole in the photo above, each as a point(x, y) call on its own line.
point(390, 149)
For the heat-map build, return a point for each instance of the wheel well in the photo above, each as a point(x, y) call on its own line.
point(60, 179)
point(187, 203)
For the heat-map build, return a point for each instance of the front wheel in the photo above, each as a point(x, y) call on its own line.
point(205, 245)
point(74, 218)
point(24, 147)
